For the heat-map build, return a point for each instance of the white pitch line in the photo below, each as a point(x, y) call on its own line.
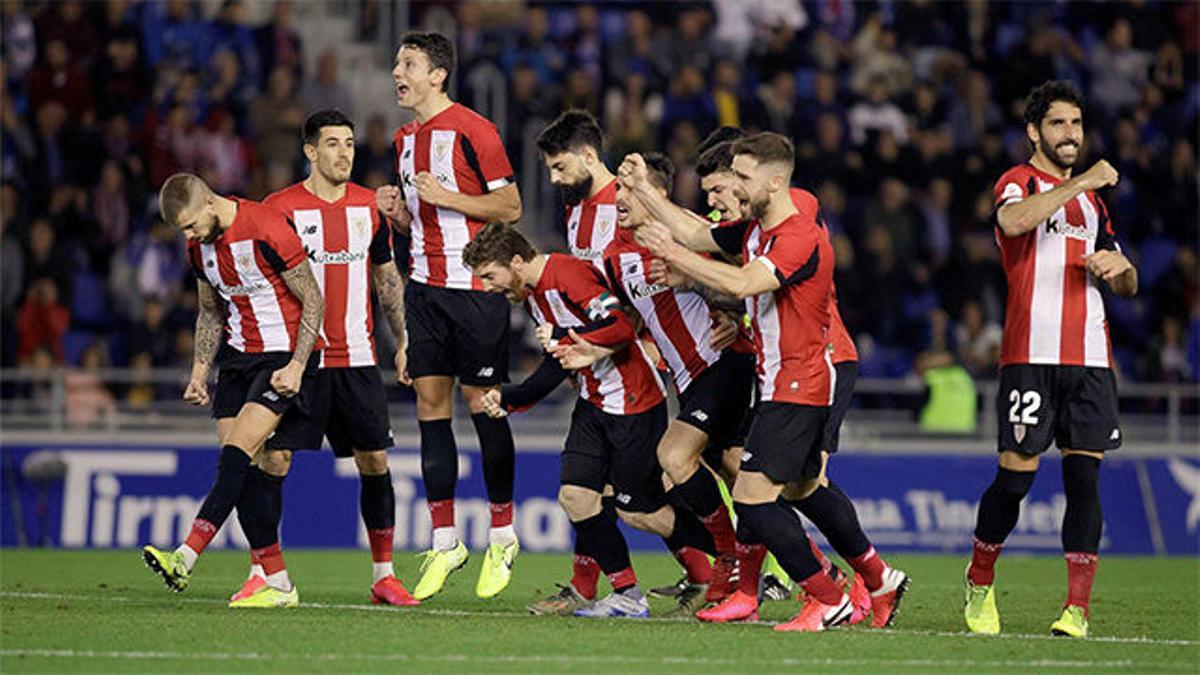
point(565, 659)
point(436, 611)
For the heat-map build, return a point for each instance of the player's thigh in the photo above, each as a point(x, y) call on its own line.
point(578, 502)
point(784, 443)
point(635, 473)
point(814, 477)
point(480, 336)
point(660, 522)
point(755, 487)
point(303, 416)
point(358, 413)
point(252, 426)
point(1026, 409)
point(680, 448)
point(586, 456)
point(1089, 418)
point(430, 349)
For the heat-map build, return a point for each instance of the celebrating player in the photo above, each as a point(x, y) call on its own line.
point(787, 281)
point(349, 251)
point(454, 176)
point(248, 255)
point(1056, 380)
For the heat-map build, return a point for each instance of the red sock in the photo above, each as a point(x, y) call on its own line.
point(587, 574)
point(819, 555)
point(1081, 570)
point(502, 514)
point(821, 587)
point(695, 563)
point(381, 544)
point(270, 557)
point(750, 559)
point(982, 571)
point(721, 528)
point(623, 579)
point(870, 566)
point(441, 513)
point(202, 533)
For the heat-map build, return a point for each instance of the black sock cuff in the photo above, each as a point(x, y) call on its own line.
point(232, 455)
point(1014, 481)
point(427, 426)
point(380, 479)
point(484, 421)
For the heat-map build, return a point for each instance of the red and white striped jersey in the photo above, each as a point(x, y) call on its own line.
point(244, 266)
point(591, 225)
point(843, 345)
point(680, 322)
point(572, 294)
point(463, 151)
point(791, 324)
point(342, 240)
point(1054, 314)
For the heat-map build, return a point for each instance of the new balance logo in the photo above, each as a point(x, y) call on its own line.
point(746, 456)
point(311, 229)
point(270, 396)
point(1115, 435)
point(486, 371)
point(700, 415)
point(624, 498)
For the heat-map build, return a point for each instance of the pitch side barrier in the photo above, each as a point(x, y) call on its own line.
point(104, 491)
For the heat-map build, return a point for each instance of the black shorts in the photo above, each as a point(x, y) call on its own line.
point(246, 378)
point(718, 401)
point(350, 409)
point(843, 391)
point(603, 448)
point(785, 441)
point(1073, 406)
point(458, 333)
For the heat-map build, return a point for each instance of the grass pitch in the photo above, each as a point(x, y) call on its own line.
point(103, 611)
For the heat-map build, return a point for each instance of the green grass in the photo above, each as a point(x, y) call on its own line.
point(103, 611)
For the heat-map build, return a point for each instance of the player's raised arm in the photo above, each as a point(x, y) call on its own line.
point(691, 229)
point(740, 282)
point(1019, 214)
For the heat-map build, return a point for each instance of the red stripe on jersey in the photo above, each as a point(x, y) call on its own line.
point(1019, 256)
point(337, 281)
point(473, 226)
point(252, 338)
point(434, 243)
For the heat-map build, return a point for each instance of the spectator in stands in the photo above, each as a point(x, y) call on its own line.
point(687, 101)
point(122, 81)
point(151, 336)
point(276, 118)
point(774, 105)
point(20, 40)
point(325, 91)
point(1118, 70)
point(89, 401)
point(877, 112)
point(110, 209)
point(375, 151)
point(534, 48)
point(229, 32)
point(227, 158)
point(47, 257)
point(42, 320)
point(59, 80)
point(68, 22)
point(230, 89)
point(279, 45)
point(978, 341)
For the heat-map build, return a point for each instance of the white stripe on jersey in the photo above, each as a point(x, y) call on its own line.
point(420, 264)
point(267, 313)
point(832, 374)
point(311, 229)
point(1045, 320)
point(212, 270)
point(1095, 337)
point(358, 296)
point(455, 233)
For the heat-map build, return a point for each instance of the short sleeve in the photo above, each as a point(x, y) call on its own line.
point(381, 243)
point(280, 244)
point(1012, 187)
point(730, 236)
point(485, 153)
point(793, 254)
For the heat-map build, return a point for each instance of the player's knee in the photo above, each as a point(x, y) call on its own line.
point(276, 462)
point(434, 397)
point(800, 489)
point(474, 397)
point(578, 502)
point(753, 487)
point(371, 462)
point(677, 462)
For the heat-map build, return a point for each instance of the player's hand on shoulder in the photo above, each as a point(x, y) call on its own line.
point(545, 336)
point(1101, 175)
point(656, 237)
point(578, 353)
point(491, 403)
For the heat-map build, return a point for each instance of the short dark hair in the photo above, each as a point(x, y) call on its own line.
point(572, 130)
point(1037, 103)
point(321, 119)
point(720, 135)
point(766, 146)
point(717, 158)
point(660, 169)
point(497, 243)
point(437, 48)
point(179, 193)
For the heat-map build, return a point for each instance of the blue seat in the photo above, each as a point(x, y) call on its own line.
point(89, 301)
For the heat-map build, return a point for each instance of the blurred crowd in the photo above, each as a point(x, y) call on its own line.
point(903, 112)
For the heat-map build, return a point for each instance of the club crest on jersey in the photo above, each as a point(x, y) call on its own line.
point(603, 224)
point(244, 261)
point(439, 150)
point(1019, 432)
point(600, 306)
